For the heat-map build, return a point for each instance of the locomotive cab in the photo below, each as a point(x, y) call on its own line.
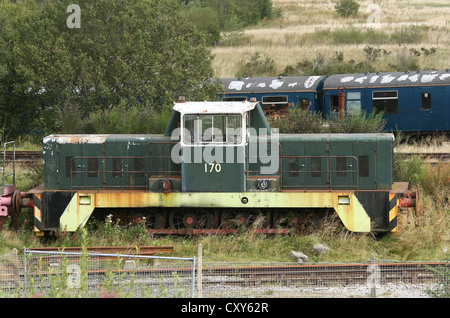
point(212, 141)
point(219, 144)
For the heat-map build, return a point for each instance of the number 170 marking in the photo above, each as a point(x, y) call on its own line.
point(213, 167)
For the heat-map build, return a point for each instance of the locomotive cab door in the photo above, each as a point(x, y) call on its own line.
point(213, 139)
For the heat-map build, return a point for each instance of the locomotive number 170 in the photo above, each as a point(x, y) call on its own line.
point(213, 167)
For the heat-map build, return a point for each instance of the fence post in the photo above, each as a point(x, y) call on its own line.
point(199, 271)
point(25, 274)
point(374, 276)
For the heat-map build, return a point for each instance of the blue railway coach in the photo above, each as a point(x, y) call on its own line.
point(276, 94)
point(411, 101)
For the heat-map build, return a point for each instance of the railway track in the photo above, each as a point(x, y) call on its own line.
point(429, 157)
point(287, 275)
point(23, 155)
point(326, 275)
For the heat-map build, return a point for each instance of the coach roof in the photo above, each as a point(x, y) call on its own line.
point(388, 79)
point(271, 84)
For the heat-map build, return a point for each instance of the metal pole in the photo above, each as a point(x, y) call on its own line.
point(25, 268)
point(199, 271)
point(193, 278)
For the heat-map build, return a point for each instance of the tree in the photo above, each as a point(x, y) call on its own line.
point(346, 8)
point(137, 50)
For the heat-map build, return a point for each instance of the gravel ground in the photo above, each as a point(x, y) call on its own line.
point(356, 291)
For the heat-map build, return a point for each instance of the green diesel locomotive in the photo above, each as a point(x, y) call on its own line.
point(218, 167)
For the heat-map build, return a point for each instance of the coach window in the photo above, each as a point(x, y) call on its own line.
point(274, 100)
point(385, 101)
point(234, 99)
point(426, 101)
point(353, 102)
point(334, 103)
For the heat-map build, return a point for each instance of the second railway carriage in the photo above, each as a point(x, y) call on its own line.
point(410, 101)
point(217, 167)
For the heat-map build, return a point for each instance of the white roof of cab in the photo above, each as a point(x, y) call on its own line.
point(214, 107)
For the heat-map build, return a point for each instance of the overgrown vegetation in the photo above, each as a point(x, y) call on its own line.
point(300, 121)
point(346, 8)
point(157, 56)
point(125, 118)
point(406, 59)
point(215, 16)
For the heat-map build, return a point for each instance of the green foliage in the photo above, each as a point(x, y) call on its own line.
point(357, 123)
point(257, 65)
point(46, 65)
point(348, 35)
point(346, 8)
point(321, 65)
point(300, 122)
point(214, 16)
point(206, 20)
point(305, 122)
point(409, 34)
point(413, 170)
point(121, 119)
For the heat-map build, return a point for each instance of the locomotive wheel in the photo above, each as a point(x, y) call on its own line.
point(179, 219)
point(234, 219)
point(285, 219)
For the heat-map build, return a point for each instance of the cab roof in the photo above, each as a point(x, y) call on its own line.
point(214, 107)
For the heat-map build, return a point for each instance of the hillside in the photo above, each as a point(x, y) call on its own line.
point(412, 33)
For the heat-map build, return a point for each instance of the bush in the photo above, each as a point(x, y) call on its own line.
point(299, 121)
point(348, 35)
point(121, 119)
point(305, 122)
point(346, 8)
point(413, 170)
point(357, 123)
point(321, 65)
point(257, 65)
point(409, 34)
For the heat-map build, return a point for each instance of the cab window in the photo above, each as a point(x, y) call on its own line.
point(218, 129)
